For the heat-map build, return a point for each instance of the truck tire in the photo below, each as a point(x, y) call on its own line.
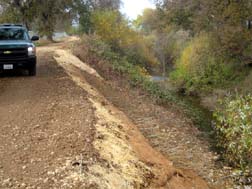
point(32, 71)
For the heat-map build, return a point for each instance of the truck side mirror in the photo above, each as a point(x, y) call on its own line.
point(35, 38)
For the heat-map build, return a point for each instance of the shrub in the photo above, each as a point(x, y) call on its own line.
point(233, 125)
point(108, 25)
point(175, 42)
point(73, 30)
point(198, 69)
point(92, 47)
point(116, 32)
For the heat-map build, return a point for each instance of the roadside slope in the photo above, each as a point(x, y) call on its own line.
point(131, 153)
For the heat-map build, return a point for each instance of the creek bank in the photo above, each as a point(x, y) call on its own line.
point(132, 161)
point(167, 128)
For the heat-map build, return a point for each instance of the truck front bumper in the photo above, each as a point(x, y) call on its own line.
point(24, 63)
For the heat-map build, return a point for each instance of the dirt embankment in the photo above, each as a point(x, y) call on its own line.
point(167, 130)
point(120, 142)
point(58, 131)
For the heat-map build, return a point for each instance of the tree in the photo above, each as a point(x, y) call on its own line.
point(148, 21)
point(106, 4)
point(225, 19)
point(46, 16)
point(49, 12)
point(18, 11)
point(228, 20)
point(83, 10)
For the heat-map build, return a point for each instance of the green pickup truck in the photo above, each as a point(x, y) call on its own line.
point(17, 49)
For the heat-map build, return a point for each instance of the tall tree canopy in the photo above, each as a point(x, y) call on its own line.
point(18, 11)
point(45, 16)
point(225, 19)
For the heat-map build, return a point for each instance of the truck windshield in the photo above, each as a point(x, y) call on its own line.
point(13, 34)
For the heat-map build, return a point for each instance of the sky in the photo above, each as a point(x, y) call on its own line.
point(132, 8)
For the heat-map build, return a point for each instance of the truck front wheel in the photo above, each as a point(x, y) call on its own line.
point(32, 71)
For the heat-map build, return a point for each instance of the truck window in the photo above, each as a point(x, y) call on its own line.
point(13, 34)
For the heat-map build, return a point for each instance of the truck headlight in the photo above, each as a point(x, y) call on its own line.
point(31, 51)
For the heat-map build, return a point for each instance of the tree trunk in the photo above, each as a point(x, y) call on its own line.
point(50, 37)
point(164, 66)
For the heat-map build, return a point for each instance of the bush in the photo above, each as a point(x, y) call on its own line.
point(198, 69)
point(115, 31)
point(92, 47)
point(233, 125)
point(174, 43)
point(73, 30)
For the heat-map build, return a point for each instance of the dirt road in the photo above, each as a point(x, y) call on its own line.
point(58, 131)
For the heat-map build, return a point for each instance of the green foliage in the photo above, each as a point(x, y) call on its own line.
point(47, 16)
point(85, 21)
point(234, 130)
point(107, 5)
point(42, 17)
point(8, 17)
point(233, 37)
point(170, 44)
point(18, 11)
point(148, 21)
point(220, 45)
point(49, 13)
point(115, 31)
point(139, 77)
point(182, 18)
point(73, 30)
point(199, 68)
point(224, 20)
point(83, 10)
point(109, 26)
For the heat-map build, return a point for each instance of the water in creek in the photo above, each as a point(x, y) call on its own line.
point(158, 78)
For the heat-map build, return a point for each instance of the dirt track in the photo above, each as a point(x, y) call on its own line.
point(45, 121)
point(58, 131)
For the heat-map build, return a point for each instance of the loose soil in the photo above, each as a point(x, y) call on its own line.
point(46, 124)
